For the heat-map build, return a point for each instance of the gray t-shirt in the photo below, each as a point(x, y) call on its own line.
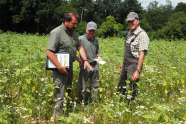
point(60, 40)
point(91, 47)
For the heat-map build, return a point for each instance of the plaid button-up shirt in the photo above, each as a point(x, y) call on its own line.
point(140, 43)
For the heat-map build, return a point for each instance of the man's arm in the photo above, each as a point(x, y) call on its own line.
point(120, 67)
point(135, 76)
point(52, 57)
point(84, 57)
point(79, 60)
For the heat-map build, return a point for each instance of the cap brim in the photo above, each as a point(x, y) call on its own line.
point(91, 29)
point(130, 19)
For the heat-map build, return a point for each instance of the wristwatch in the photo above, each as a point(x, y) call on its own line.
point(85, 60)
point(138, 70)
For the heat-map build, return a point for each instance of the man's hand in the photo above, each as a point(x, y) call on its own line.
point(120, 67)
point(135, 76)
point(99, 58)
point(63, 70)
point(86, 64)
point(79, 60)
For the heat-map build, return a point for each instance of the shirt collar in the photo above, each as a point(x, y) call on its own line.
point(137, 30)
point(88, 37)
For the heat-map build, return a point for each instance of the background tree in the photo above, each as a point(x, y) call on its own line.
point(110, 27)
point(176, 15)
point(127, 6)
point(176, 29)
point(156, 15)
point(180, 7)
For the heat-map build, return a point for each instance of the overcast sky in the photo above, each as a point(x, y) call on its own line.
point(145, 3)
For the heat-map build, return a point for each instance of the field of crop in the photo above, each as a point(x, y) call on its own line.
point(26, 88)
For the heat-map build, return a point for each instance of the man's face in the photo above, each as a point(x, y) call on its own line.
point(90, 33)
point(70, 26)
point(133, 25)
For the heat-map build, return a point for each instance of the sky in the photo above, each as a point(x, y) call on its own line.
point(145, 3)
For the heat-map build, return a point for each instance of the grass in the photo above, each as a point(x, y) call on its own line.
point(26, 88)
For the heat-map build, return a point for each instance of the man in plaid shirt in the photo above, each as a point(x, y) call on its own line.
point(136, 47)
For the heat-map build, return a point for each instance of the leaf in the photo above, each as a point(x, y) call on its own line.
point(1, 87)
point(156, 116)
point(33, 88)
point(164, 83)
point(166, 118)
point(66, 94)
point(30, 111)
point(166, 91)
point(51, 93)
point(28, 80)
point(17, 71)
point(101, 89)
point(127, 81)
point(147, 116)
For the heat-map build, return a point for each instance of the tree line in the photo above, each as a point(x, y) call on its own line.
point(41, 16)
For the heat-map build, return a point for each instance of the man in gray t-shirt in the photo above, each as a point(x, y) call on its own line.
point(91, 46)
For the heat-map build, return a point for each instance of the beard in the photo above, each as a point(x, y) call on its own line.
point(70, 28)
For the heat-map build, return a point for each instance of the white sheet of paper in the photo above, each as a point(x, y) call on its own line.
point(100, 62)
point(63, 60)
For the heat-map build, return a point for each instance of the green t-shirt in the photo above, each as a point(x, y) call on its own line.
point(60, 40)
point(91, 47)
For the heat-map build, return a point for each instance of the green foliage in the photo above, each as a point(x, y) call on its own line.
point(60, 11)
point(81, 28)
point(125, 7)
point(110, 27)
point(177, 15)
point(26, 88)
point(175, 29)
point(158, 15)
point(145, 25)
point(181, 6)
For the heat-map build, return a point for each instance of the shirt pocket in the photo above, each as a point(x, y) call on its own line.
point(64, 44)
point(134, 47)
point(74, 43)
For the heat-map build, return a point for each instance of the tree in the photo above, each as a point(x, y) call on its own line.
point(157, 16)
point(28, 15)
point(110, 27)
point(145, 25)
point(180, 7)
point(127, 6)
point(176, 15)
point(176, 28)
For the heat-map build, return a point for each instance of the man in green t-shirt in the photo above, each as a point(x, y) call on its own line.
point(91, 46)
point(64, 39)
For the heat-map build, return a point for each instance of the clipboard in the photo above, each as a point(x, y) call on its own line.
point(64, 59)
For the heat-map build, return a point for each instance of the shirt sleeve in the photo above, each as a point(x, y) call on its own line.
point(53, 42)
point(98, 50)
point(144, 42)
point(79, 42)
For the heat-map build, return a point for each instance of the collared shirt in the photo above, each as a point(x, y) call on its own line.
point(140, 43)
point(60, 40)
point(91, 47)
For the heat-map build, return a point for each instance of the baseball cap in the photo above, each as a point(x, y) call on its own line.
point(92, 25)
point(131, 16)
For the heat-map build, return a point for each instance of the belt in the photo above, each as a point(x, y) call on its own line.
point(93, 63)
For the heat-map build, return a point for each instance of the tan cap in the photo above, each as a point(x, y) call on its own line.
point(92, 26)
point(131, 16)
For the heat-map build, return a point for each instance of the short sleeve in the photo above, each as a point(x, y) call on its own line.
point(53, 42)
point(98, 50)
point(144, 42)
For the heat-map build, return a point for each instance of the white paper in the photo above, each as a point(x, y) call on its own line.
point(62, 58)
point(100, 61)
